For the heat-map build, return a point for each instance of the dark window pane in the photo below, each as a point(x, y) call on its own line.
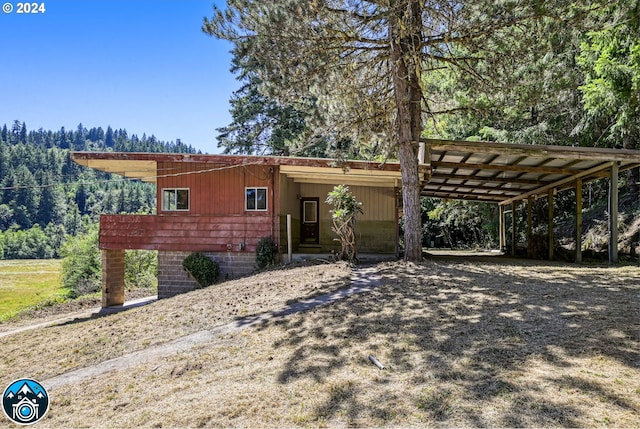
point(251, 199)
point(262, 199)
point(182, 199)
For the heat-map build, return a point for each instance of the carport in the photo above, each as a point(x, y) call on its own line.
point(514, 174)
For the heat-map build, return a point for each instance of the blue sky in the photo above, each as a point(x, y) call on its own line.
point(141, 65)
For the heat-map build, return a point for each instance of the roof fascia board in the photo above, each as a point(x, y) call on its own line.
point(538, 151)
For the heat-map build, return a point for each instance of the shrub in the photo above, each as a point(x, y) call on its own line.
point(82, 264)
point(344, 212)
point(141, 269)
point(201, 268)
point(266, 252)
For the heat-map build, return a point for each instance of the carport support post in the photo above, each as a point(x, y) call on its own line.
point(529, 226)
point(579, 220)
point(501, 228)
point(550, 234)
point(112, 277)
point(513, 228)
point(289, 240)
point(613, 215)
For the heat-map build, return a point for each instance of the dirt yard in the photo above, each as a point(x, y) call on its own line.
point(466, 342)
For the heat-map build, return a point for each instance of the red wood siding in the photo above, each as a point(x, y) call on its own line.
point(186, 233)
point(220, 192)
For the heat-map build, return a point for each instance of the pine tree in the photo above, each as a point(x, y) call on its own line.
point(4, 134)
point(610, 58)
point(23, 134)
point(364, 63)
point(109, 141)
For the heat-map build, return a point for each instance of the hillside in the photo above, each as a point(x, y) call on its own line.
point(466, 341)
point(44, 196)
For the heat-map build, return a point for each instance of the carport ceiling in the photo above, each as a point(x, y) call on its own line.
point(503, 173)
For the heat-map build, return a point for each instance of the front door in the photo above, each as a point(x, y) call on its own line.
point(310, 226)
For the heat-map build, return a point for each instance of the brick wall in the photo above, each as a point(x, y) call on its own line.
point(173, 280)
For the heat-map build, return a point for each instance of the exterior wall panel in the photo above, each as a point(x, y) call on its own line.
point(216, 192)
point(187, 233)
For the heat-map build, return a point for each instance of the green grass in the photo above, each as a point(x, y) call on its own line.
point(28, 283)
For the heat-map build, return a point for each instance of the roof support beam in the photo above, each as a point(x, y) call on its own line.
point(506, 167)
point(353, 181)
point(466, 188)
point(560, 183)
point(490, 179)
point(462, 196)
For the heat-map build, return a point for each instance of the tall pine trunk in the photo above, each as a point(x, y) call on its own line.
point(405, 29)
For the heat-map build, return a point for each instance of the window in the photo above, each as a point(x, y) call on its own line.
point(310, 210)
point(175, 200)
point(255, 199)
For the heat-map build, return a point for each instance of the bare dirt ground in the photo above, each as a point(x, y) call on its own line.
point(466, 342)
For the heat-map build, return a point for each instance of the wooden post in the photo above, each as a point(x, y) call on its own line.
point(501, 229)
point(579, 220)
point(529, 226)
point(613, 214)
point(513, 228)
point(550, 234)
point(289, 240)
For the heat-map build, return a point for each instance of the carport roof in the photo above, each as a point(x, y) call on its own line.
point(504, 173)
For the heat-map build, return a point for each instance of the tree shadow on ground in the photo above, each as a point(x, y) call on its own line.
point(464, 334)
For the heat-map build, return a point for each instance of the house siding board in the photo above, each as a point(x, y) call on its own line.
point(218, 192)
point(216, 219)
point(194, 233)
point(377, 203)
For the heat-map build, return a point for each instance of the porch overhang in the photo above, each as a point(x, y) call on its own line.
point(144, 166)
point(332, 176)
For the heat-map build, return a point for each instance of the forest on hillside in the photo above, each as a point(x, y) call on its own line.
point(45, 197)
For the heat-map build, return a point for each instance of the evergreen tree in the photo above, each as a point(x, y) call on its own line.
point(63, 142)
point(610, 58)
point(79, 140)
point(23, 134)
point(109, 140)
point(260, 125)
point(363, 64)
point(52, 206)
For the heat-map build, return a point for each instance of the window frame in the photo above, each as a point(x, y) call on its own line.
point(175, 199)
point(256, 189)
point(313, 203)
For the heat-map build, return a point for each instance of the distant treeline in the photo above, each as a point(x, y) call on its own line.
point(46, 197)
